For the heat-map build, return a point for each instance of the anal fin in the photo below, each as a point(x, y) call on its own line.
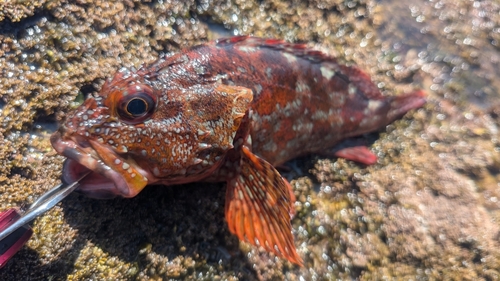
point(359, 154)
point(354, 149)
point(258, 206)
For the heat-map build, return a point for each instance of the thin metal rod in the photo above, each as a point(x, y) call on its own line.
point(42, 205)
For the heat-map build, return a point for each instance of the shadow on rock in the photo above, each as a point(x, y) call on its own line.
point(26, 265)
point(163, 224)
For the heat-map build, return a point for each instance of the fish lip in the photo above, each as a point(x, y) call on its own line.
point(80, 152)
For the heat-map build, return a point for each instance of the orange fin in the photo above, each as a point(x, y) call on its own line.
point(258, 207)
point(292, 197)
point(359, 154)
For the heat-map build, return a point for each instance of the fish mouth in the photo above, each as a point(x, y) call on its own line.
point(111, 175)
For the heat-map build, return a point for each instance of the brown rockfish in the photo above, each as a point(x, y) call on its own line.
point(229, 110)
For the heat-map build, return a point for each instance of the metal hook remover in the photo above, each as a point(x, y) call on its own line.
point(14, 224)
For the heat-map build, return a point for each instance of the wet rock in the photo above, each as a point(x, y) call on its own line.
point(429, 209)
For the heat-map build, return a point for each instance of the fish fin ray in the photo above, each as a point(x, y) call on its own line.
point(359, 154)
point(258, 207)
point(297, 49)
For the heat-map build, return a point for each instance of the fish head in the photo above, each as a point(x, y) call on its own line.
point(138, 131)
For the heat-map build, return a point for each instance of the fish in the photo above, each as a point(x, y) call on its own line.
point(229, 110)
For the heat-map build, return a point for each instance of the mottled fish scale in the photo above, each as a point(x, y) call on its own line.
point(302, 98)
point(228, 110)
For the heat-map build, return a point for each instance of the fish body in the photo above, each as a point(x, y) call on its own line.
point(229, 110)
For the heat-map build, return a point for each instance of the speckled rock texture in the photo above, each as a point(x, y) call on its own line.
point(428, 210)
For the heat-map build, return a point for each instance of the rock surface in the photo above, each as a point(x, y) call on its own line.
point(428, 210)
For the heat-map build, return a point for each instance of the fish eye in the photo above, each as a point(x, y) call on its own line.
point(137, 105)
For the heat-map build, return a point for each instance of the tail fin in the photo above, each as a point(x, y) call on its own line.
point(402, 104)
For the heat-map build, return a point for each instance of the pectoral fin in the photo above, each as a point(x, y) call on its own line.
point(258, 206)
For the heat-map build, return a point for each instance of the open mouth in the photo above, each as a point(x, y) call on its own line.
point(111, 174)
point(95, 185)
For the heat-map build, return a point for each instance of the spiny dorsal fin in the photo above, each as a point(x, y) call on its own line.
point(350, 74)
point(297, 49)
point(258, 206)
